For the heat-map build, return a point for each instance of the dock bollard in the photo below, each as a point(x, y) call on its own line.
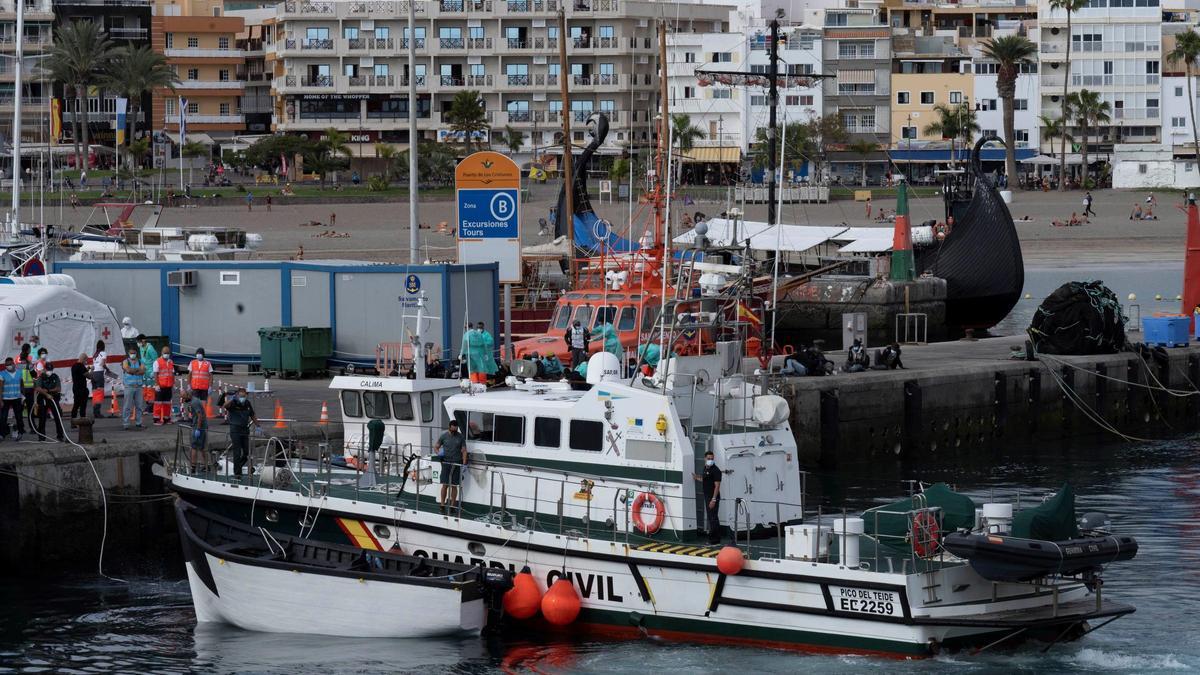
point(84, 427)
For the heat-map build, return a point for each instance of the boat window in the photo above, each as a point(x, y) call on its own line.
point(605, 315)
point(402, 406)
point(151, 239)
point(351, 405)
point(649, 314)
point(547, 432)
point(587, 435)
point(583, 314)
point(592, 296)
point(562, 317)
point(375, 404)
point(427, 406)
point(480, 426)
point(509, 429)
point(628, 320)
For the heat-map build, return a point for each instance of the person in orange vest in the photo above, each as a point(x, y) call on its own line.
point(164, 378)
point(200, 371)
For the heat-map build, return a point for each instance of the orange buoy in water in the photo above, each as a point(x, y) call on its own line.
point(730, 560)
point(561, 605)
point(524, 598)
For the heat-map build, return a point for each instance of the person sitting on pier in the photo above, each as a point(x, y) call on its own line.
point(857, 358)
point(793, 364)
point(889, 357)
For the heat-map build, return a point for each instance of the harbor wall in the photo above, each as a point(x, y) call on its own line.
point(816, 309)
point(363, 303)
point(974, 398)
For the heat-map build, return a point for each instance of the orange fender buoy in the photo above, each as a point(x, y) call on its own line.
point(561, 604)
point(926, 534)
point(660, 513)
point(523, 600)
point(730, 560)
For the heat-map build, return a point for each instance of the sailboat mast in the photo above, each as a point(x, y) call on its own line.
point(663, 133)
point(14, 227)
point(568, 162)
point(413, 243)
point(772, 134)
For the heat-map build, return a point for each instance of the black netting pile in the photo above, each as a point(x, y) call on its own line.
point(1080, 317)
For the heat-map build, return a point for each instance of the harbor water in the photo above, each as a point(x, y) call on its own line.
point(81, 624)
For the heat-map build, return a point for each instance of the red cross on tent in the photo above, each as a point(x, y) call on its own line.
point(18, 338)
point(105, 333)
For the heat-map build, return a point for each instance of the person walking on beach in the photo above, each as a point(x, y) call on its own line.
point(268, 202)
point(249, 201)
point(1087, 204)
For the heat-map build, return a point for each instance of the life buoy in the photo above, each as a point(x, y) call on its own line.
point(926, 534)
point(660, 513)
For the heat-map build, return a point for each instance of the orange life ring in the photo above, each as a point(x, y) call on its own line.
point(926, 533)
point(660, 513)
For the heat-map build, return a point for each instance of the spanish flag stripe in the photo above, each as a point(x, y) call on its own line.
point(359, 534)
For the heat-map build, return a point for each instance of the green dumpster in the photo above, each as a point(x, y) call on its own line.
point(270, 345)
point(297, 351)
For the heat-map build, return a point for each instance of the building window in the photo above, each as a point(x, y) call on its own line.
point(864, 49)
point(169, 106)
point(350, 32)
point(223, 43)
point(689, 92)
point(806, 100)
point(903, 98)
point(866, 122)
point(758, 99)
point(1142, 168)
point(956, 97)
point(722, 57)
point(193, 42)
point(1022, 135)
point(689, 57)
point(927, 98)
point(224, 109)
point(193, 108)
point(193, 73)
point(1178, 122)
point(171, 42)
point(1020, 104)
point(908, 132)
point(223, 75)
point(792, 100)
point(1178, 91)
point(988, 133)
point(721, 93)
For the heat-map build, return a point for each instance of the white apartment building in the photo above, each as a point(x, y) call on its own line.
point(345, 64)
point(799, 54)
point(989, 109)
point(718, 110)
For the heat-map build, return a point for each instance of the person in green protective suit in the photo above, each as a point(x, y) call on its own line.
point(476, 348)
point(148, 355)
point(489, 344)
point(612, 344)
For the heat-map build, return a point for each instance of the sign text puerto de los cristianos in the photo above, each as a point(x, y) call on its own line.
point(488, 196)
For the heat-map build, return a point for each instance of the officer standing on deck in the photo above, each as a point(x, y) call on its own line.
point(577, 338)
point(241, 416)
point(711, 478)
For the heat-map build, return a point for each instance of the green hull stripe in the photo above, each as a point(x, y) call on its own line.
point(606, 470)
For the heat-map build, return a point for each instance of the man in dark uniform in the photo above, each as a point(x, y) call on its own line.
point(451, 451)
point(241, 416)
point(49, 394)
point(711, 478)
point(577, 338)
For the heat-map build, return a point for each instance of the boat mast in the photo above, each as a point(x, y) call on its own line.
point(568, 179)
point(413, 242)
point(772, 135)
point(14, 226)
point(660, 223)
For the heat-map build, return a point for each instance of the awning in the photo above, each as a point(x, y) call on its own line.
point(713, 155)
point(867, 246)
point(201, 138)
point(1039, 159)
point(856, 77)
point(764, 237)
point(942, 155)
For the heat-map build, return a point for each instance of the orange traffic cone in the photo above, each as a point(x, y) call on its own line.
point(208, 409)
point(115, 409)
point(324, 421)
point(279, 415)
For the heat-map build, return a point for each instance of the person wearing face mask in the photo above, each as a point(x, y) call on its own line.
point(13, 400)
point(131, 406)
point(99, 370)
point(577, 338)
point(79, 387)
point(200, 371)
point(241, 416)
point(49, 395)
point(148, 355)
point(711, 478)
point(164, 379)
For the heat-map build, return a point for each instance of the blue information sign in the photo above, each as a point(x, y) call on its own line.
point(488, 214)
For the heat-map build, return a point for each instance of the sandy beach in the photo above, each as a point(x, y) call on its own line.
point(379, 232)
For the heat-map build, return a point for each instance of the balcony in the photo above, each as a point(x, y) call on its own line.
point(358, 44)
point(593, 5)
point(206, 53)
point(479, 80)
point(519, 116)
point(379, 8)
point(30, 43)
point(452, 43)
point(402, 81)
point(517, 43)
point(6, 101)
point(518, 80)
point(323, 45)
point(320, 81)
point(451, 81)
point(210, 84)
point(212, 119)
point(1135, 113)
point(309, 8)
point(479, 43)
point(129, 33)
point(418, 43)
point(360, 81)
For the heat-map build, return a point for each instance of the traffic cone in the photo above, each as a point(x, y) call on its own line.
point(208, 409)
point(279, 415)
point(115, 409)
point(324, 421)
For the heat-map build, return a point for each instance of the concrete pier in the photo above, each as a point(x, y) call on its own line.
point(50, 501)
point(971, 395)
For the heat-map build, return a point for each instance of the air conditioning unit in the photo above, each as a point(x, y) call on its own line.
point(181, 278)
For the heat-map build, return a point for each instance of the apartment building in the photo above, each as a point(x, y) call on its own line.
point(200, 43)
point(126, 23)
point(933, 72)
point(35, 95)
point(712, 107)
point(989, 109)
point(258, 101)
point(345, 64)
point(799, 54)
point(857, 49)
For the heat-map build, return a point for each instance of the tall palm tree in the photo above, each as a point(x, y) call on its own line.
point(954, 122)
point(1070, 7)
point(467, 117)
point(134, 71)
point(81, 49)
point(685, 136)
point(863, 148)
point(1052, 128)
point(387, 153)
point(1089, 111)
point(1011, 52)
point(328, 152)
point(513, 139)
point(1187, 52)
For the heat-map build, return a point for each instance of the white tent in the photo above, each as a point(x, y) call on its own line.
point(67, 323)
point(764, 237)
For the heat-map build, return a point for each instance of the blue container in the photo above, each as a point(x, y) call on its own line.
point(1167, 331)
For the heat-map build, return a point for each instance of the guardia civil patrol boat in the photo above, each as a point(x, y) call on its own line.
point(594, 482)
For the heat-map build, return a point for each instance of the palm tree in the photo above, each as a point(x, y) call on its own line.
point(1011, 52)
point(81, 49)
point(1070, 6)
point(467, 117)
point(387, 153)
point(133, 71)
point(1187, 52)
point(1090, 111)
point(685, 134)
point(513, 139)
point(328, 152)
point(193, 149)
point(863, 148)
point(953, 122)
